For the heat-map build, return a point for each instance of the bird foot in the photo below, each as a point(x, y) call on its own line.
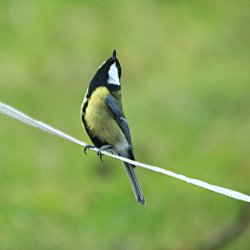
point(87, 147)
point(103, 148)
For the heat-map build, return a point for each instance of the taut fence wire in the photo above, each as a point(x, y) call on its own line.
point(20, 116)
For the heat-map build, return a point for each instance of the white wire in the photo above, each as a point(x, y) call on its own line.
point(12, 112)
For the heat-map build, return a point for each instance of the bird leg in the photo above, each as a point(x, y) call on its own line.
point(87, 147)
point(103, 148)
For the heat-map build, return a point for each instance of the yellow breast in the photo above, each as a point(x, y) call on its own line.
point(100, 120)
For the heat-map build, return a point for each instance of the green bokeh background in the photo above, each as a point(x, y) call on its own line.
point(186, 86)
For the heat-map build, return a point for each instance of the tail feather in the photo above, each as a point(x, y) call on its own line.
point(134, 183)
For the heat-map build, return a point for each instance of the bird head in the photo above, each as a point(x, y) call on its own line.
point(108, 75)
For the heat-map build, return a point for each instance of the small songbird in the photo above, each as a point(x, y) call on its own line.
point(103, 118)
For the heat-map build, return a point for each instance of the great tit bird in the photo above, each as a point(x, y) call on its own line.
point(103, 118)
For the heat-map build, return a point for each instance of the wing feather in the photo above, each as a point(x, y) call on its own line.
point(116, 110)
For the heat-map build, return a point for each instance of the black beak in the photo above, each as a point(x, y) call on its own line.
point(114, 54)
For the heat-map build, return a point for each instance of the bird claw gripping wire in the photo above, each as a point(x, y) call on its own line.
point(87, 147)
point(103, 148)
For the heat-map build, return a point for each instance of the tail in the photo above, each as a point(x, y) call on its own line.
point(134, 183)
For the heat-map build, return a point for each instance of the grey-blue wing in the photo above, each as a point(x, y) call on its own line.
point(116, 110)
point(118, 115)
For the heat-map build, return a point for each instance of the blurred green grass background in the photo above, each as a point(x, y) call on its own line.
point(186, 86)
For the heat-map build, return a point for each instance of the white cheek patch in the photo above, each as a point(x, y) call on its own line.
point(113, 75)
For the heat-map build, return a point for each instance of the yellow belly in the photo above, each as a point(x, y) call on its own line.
point(100, 121)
